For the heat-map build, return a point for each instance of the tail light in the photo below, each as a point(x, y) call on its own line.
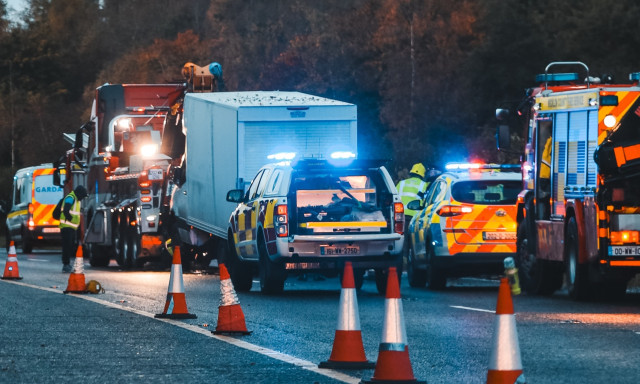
point(453, 210)
point(281, 220)
point(398, 218)
point(622, 237)
point(143, 180)
point(31, 223)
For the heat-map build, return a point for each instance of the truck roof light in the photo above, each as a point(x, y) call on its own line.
point(148, 150)
point(282, 156)
point(472, 166)
point(547, 77)
point(123, 124)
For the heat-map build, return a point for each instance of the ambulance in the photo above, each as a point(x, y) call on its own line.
point(29, 221)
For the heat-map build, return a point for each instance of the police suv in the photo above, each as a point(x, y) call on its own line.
point(313, 216)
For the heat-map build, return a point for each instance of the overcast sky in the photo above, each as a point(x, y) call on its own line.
point(14, 7)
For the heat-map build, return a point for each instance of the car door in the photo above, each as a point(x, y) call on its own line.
point(422, 222)
point(247, 217)
point(18, 214)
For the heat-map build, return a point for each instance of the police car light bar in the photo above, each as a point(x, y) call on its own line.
point(472, 166)
point(282, 156)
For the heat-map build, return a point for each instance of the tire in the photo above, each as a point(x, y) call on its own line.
point(98, 255)
point(417, 277)
point(539, 277)
point(272, 275)
point(435, 276)
point(27, 242)
point(118, 240)
point(358, 277)
point(241, 273)
point(381, 277)
point(133, 247)
point(576, 274)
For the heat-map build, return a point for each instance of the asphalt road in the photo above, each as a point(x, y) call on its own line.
point(114, 337)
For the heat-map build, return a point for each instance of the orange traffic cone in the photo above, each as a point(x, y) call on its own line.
point(348, 350)
point(11, 271)
point(230, 315)
point(76, 282)
point(393, 364)
point(505, 366)
point(176, 305)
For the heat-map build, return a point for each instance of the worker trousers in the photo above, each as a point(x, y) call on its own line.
point(68, 244)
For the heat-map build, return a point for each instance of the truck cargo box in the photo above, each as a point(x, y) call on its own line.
point(230, 135)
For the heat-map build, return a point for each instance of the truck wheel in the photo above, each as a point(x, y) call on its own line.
point(436, 278)
point(417, 277)
point(27, 242)
point(241, 273)
point(576, 273)
point(98, 255)
point(119, 250)
point(536, 276)
point(272, 275)
point(133, 247)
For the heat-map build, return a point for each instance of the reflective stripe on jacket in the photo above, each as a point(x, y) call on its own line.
point(74, 220)
point(411, 189)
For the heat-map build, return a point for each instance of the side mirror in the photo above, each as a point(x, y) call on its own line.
point(415, 205)
point(503, 137)
point(235, 195)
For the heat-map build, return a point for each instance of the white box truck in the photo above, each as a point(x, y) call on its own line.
point(229, 137)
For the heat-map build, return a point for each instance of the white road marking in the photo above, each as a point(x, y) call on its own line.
point(472, 309)
point(304, 364)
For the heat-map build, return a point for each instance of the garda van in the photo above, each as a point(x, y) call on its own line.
point(29, 221)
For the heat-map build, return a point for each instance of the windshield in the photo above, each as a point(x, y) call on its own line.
point(489, 192)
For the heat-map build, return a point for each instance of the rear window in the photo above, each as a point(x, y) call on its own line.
point(489, 192)
point(44, 190)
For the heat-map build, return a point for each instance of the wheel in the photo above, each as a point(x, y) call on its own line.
point(435, 276)
point(133, 247)
point(27, 242)
point(417, 277)
point(381, 277)
point(98, 255)
point(241, 273)
point(576, 274)
point(358, 277)
point(272, 275)
point(119, 247)
point(536, 276)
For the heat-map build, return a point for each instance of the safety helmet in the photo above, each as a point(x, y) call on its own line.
point(418, 169)
point(94, 286)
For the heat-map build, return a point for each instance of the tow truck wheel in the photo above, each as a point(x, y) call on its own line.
point(417, 277)
point(133, 240)
point(241, 273)
point(118, 242)
point(576, 274)
point(98, 255)
point(272, 275)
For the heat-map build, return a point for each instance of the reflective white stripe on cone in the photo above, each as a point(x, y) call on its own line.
point(505, 365)
point(348, 350)
point(11, 270)
point(393, 364)
point(230, 315)
point(176, 304)
point(77, 282)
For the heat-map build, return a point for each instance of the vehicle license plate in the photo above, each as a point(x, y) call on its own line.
point(51, 230)
point(499, 236)
point(632, 250)
point(340, 250)
point(155, 174)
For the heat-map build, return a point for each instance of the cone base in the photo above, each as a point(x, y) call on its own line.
point(175, 316)
point(12, 278)
point(374, 381)
point(507, 377)
point(223, 332)
point(347, 364)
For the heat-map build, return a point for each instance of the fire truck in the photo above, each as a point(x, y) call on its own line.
point(123, 156)
point(579, 211)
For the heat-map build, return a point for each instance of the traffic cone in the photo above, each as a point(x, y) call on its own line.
point(393, 364)
point(230, 315)
point(11, 271)
point(76, 282)
point(505, 366)
point(348, 350)
point(176, 305)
